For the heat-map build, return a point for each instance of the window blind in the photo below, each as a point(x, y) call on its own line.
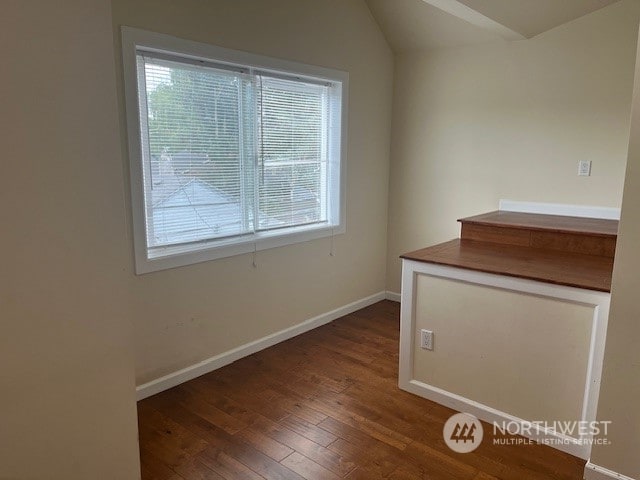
point(293, 152)
point(195, 165)
point(228, 152)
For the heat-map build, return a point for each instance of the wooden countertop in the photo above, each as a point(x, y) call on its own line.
point(561, 268)
point(549, 223)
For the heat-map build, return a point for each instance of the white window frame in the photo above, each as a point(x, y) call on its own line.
point(135, 40)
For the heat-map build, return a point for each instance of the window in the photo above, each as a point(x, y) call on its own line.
point(229, 152)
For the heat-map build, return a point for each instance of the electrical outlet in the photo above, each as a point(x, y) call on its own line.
point(426, 339)
point(584, 168)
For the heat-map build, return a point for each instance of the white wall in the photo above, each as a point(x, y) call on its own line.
point(67, 398)
point(620, 390)
point(476, 124)
point(188, 314)
point(519, 353)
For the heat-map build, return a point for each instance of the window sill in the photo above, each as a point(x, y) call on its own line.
point(173, 257)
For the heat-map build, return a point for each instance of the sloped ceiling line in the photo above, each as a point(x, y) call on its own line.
point(470, 15)
point(411, 25)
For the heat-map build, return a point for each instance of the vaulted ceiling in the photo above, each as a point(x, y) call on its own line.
point(427, 24)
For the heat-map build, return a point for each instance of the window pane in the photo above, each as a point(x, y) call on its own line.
point(195, 167)
point(293, 145)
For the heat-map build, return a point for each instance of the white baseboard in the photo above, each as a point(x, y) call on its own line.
point(488, 414)
point(392, 296)
point(596, 472)
point(176, 378)
point(587, 211)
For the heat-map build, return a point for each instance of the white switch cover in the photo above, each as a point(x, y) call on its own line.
point(426, 339)
point(584, 168)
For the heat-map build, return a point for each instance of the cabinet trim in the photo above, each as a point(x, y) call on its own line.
point(579, 447)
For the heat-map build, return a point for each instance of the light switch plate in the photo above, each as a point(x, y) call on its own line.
point(584, 168)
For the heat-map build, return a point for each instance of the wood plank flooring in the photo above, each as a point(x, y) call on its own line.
point(324, 405)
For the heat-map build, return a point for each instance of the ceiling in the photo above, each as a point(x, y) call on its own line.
point(532, 17)
point(426, 24)
point(416, 25)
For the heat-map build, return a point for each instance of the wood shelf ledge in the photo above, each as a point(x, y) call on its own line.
point(579, 270)
point(547, 223)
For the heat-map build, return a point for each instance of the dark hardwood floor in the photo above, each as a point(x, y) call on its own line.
point(324, 405)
